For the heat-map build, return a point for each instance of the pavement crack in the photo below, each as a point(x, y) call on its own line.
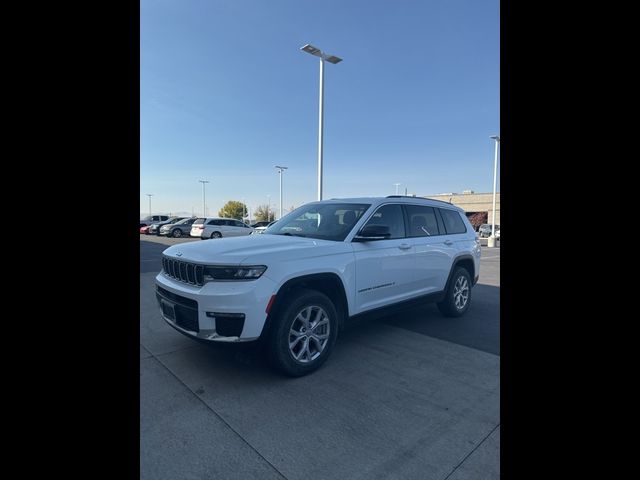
point(473, 450)
point(208, 407)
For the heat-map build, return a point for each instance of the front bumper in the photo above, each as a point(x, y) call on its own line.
point(249, 298)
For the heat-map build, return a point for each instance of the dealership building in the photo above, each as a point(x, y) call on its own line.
point(472, 202)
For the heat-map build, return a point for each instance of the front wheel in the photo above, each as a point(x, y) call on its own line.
point(177, 233)
point(458, 296)
point(304, 333)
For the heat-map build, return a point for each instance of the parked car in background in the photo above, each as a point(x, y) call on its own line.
point(148, 220)
point(215, 227)
point(485, 230)
point(144, 229)
point(154, 228)
point(257, 230)
point(178, 229)
point(260, 224)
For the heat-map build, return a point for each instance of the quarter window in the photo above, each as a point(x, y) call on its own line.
point(452, 221)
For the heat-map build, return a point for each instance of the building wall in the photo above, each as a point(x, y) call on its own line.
point(473, 202)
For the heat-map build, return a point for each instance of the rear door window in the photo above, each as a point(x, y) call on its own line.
point(422, 221)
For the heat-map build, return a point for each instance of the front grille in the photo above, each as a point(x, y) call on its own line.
point(187, 318)
point(187, 302)
point(185, 272)
point(186, 309)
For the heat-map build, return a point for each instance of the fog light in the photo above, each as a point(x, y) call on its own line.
point(228, 324)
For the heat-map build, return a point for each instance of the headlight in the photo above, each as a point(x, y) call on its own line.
point(233, 273)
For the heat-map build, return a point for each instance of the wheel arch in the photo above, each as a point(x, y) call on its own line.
point(327, 283)
point(465, 261)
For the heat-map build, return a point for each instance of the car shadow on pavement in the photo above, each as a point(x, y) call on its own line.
point(479, 328)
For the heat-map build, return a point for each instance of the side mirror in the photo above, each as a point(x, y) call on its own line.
point(372, 232)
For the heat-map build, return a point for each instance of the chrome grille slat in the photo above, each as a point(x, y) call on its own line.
point(191, 278)
point(185, 272)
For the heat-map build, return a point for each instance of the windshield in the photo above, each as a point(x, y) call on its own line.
point(325, 221)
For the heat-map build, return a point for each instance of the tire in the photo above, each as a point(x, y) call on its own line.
point(176, 233)
point(455, 304)
point(216, 235)
point(282, 351)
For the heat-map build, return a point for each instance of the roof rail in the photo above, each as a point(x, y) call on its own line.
point(418, 198)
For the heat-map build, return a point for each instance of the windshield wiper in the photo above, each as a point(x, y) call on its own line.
point(289, 234)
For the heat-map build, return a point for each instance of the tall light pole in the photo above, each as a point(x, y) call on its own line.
point(331, 59)
point(280, 169)
point(492, 239)
point(204, 211)
point(149, 195)
point(397, 185)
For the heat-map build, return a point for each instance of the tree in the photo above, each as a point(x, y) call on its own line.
point(476, 219)
point(232, 209)
point(261, 214)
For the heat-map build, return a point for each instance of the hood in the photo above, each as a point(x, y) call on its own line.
point(259, 249)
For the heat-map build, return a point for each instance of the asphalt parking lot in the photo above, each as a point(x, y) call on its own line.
point(409, 395)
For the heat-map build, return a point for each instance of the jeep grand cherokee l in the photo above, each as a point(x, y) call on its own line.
point(298, 284)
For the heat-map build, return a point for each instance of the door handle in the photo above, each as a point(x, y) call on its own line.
point(448, 242)
point(404, 246)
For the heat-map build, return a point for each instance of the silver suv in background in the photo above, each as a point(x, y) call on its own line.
point(215, 227)
point(485, 230)
point(178, 229)
point(154, 228)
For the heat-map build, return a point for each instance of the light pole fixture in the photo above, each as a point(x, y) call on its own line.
point(495, 173)
point(149, 195)
point(331, 59)
point(397, 185)
point(280, 170)
point(204, 211)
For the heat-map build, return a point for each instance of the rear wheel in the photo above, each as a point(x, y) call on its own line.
point(458, 296)
point(177, 233)
point(304, 333)
point(216, 235)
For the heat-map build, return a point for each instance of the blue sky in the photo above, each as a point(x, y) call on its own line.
point(226, 94)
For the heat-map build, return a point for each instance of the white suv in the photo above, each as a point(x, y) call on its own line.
point(318, 267)
point(219, 227)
